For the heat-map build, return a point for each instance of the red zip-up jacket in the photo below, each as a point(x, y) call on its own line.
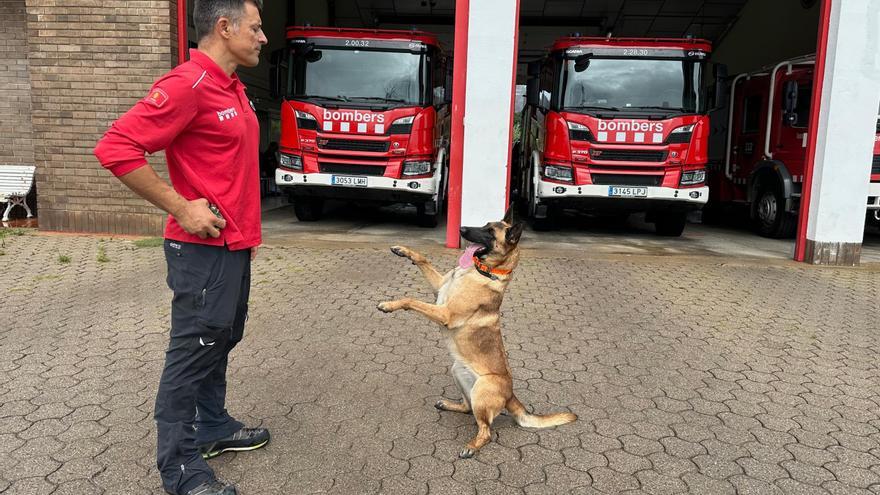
point(207, 126)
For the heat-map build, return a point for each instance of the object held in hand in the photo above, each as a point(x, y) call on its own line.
point(215, 211)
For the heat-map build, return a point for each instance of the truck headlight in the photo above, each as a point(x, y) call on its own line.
point(401, 125)
point(293, 162)
point(681, 134)
point(579, 132)
point(417, 167)
point(693, 177)
point(556, 172)
point(306, 121)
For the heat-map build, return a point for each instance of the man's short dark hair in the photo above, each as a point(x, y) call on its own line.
point(206, 13)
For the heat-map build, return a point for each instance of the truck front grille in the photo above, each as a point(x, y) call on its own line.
point(875, 165)
point(352, 169)
point(628, 155)
point(353, 145)
point(627, 180)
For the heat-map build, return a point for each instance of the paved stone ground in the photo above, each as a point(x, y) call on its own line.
point(689, 374)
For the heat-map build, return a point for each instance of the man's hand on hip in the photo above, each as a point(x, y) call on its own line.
point(197, 219)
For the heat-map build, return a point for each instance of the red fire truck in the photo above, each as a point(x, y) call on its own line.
point(874, 186)
point(616, 125)
point(365, 117)
point(766, 146)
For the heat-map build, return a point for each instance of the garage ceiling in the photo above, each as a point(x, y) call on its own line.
point(542, 21)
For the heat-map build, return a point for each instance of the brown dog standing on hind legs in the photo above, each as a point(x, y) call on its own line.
point(468, 303)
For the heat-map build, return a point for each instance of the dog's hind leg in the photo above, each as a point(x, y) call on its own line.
point(435, 278)
point(448, 405)
point(487, 403)
point(464, 379)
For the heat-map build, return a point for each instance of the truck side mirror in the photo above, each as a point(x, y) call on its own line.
point(447, 90)
point(532, 92)
point(533, 69)
point(789, 103)
point(276, 74)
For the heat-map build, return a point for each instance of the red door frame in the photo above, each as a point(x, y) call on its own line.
point(182, 38)
point(456, 139)
point(813, 132)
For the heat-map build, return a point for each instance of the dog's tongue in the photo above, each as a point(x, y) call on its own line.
point(467, 257)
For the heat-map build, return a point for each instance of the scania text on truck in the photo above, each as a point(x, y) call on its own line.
point(765, 148)
point(365, 117)
point(616, 125)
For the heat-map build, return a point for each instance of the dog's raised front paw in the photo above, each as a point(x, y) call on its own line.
point(400, 251)
point(384, 307)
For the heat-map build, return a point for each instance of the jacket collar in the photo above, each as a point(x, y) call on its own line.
point(201, 59)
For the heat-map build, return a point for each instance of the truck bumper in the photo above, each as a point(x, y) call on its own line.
point(598, 197)
point(376, 189)
point(874, 196)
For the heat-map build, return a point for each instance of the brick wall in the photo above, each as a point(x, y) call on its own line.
point(16, 132)
point(90, 62)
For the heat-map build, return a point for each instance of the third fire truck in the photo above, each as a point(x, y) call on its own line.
point(365, 117)
point(616, 125)
point(765, 148)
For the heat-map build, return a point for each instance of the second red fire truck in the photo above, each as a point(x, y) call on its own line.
point(616, 125)
point(365, 117)
point(765, 148)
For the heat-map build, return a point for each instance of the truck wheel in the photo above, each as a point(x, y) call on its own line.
point(547, 223)
point(425, 219)
point(771, 219)
point(670, 224)
point(308, 209)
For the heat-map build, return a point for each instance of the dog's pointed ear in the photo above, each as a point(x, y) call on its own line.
point(508, 216)
point(514, 233)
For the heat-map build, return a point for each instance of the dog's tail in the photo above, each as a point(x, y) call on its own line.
point(523, 418)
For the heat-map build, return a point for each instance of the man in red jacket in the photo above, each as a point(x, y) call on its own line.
point(200, 115)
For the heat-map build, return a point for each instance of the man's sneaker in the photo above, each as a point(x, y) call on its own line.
point(215, 487)
point(242, 440)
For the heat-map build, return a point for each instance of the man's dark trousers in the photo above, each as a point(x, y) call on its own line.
point(211, 286)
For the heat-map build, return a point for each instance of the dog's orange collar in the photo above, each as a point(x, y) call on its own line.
point(489, 272)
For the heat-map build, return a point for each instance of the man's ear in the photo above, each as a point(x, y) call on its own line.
point(508, 216)
point(514, 233)
point(224, 27)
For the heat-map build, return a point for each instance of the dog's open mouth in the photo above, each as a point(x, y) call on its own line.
point(476, 249)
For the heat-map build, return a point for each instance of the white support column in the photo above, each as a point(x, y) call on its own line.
point(491, 68)
point(844, 143)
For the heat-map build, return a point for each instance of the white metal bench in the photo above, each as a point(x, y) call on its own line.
point(15, 184)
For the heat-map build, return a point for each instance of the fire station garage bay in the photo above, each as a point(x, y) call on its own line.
point(729, 126)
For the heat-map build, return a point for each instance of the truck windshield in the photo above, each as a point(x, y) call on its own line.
point(362, 77)
point(633, 85)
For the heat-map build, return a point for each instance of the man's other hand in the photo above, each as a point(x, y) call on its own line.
point(198, 219)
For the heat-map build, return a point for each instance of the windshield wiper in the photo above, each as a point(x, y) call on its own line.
point(378, 98)
point(331, 98)
point(671, 109)
point(592, 107)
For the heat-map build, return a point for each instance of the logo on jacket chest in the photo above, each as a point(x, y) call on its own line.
point(227, 114)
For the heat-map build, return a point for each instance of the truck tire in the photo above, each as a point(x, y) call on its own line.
point(547, 223)
point(308, 209)
point(670, 224)
point(771, 219)
point(425, 219)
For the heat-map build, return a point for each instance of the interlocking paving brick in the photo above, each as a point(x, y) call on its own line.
point(685, 374)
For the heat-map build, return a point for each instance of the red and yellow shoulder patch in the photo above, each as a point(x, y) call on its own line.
point(157, 97)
